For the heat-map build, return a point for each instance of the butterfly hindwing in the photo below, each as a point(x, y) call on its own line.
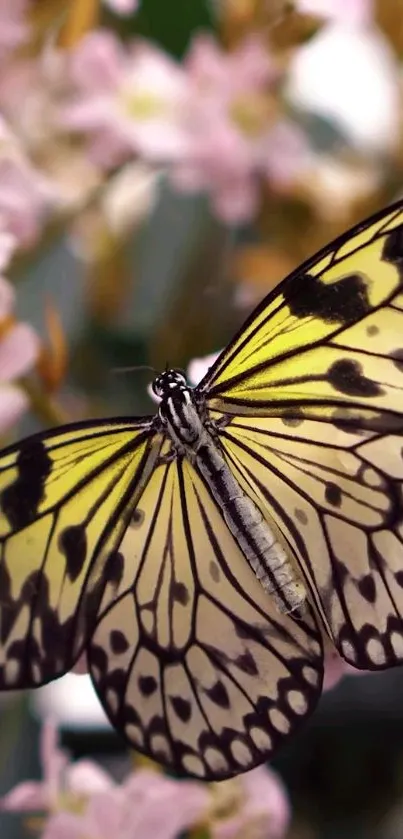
point(65, 497)
point(192, 661)
point(341, 513)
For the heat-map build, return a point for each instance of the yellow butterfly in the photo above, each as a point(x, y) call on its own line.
point(198, 557)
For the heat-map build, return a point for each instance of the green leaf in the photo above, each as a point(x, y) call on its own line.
point(171, 23)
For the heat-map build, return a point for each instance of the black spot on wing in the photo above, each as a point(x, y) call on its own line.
point(247, 663)
point(118, 642)
point(301, 516)
point(180, 593)
point(218, 694)
point(344, 301)
point(346, 376)
point(137, 518)
point(367, 588)
point(182, 708)
point(73, 544)
point(21, 499)
point(114, 568)
point(392, 250)
point(333, 494)
point(147, 685)
point(214, 571)
point(292, 417)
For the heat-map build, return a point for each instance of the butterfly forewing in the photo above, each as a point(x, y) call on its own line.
point(192, 661)
point(328, 340)
point(64, 502)
point(314, 407)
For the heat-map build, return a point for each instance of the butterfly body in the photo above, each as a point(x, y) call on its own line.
point(192, 437)
point(200, 557)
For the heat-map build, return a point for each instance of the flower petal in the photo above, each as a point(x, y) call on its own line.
point(122, 7)
point(85, 778)
point(7, 296)
point(19, 349)
point(13, 404)
point(26, 796)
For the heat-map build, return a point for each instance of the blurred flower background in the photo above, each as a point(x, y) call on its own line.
point(163, 164)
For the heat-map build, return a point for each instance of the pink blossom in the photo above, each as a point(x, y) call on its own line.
point(254, 804)
point(63, 784)
point(128, 100)
point(14, 28)
point(8, 245)
point(25, 195)
point(25, 198)
point(29, 92)
point(237, 135)
point(19, 349)
point(122, 7)
point(83, 800)
point(213, 120)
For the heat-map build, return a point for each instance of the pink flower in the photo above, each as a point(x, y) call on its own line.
point(122, 7)
point(213, 121)
point(254, 804)
point(128, 100)
point(147, 805)
point(25, 194)
point(83, 800)
point(237, 135)
point(62, 784)
point(19, 348)
point(14, 28)
point(29, 93)
point(25, 199)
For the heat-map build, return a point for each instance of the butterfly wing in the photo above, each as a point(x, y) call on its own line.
point(66, 497)
point(309, 404)
point(191, 660)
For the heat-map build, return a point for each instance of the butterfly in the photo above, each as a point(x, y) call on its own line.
point(202, 557)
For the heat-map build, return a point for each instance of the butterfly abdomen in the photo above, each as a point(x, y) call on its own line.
point(256, 539)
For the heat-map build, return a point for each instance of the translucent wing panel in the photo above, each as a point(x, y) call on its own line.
point(329, 343)
point(192, 662)
point(65, 499)
point(337, 497)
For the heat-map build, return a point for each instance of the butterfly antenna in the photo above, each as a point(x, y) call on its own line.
point(134, 369)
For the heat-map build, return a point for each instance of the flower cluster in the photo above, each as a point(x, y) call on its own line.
point(213, 121)
point(82, 800)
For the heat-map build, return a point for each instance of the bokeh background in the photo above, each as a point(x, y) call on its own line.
point(163, 165)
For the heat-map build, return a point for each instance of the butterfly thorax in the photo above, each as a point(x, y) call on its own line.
point(260, 542)
point(178, 411)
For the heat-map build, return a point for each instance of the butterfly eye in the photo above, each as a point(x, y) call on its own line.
point(157, 387)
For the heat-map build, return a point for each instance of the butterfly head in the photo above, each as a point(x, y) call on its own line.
point(169, 381)
point(177, 410)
